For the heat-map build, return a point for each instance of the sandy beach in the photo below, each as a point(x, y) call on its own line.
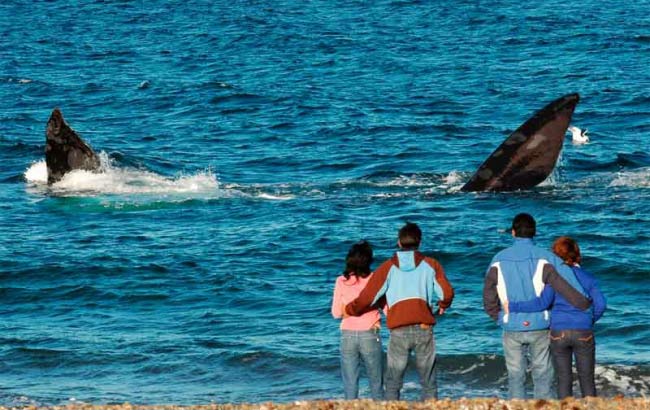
point(616, 403)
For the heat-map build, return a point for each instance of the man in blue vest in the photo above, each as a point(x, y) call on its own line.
point(519, 273)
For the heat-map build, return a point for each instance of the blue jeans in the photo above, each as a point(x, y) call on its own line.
point(357, 346)
point(403, 340)
point(579, 343)
point(536, 343)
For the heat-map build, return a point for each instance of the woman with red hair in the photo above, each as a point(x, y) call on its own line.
point(572, 333)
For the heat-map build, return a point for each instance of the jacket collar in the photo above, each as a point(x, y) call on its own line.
point(524, 241)
point(413, 255)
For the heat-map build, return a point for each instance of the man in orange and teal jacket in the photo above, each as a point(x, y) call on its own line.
point(415, 288)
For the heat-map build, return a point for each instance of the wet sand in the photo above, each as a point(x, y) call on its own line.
point(616, 403)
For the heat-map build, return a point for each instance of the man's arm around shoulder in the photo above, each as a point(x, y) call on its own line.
point(375, 288)
point(564, 288)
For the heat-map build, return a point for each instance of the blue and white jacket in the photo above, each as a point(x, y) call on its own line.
point(519, 273)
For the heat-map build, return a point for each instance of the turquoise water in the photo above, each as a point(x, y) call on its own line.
point(246, 145)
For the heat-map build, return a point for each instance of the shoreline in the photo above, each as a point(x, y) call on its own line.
point(614, 403)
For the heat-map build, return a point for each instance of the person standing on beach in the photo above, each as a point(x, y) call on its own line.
point(415, 287)
point(360, 339)
point(572, 331)
point(518, 273)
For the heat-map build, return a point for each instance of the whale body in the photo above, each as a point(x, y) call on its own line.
point(65, 150)
point(527, 157)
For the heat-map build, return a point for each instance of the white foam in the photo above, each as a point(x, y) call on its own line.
point(402, 180)
point(115, 180)
point(410, 386)
point(453, 178)
point(453, 182)
point(275, 197)
point(37, 173)
point(633, 179)
point(622, 382)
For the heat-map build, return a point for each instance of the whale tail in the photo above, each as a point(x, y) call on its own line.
point(527, 157)
point(65, 150)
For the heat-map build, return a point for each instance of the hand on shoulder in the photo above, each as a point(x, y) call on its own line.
point(345, 314)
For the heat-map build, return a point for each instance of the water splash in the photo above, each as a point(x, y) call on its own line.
point(114, 180)
point(37, 173)
point(140, 184)
point(454, 181)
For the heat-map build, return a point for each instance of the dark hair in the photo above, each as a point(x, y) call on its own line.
point(524, 226)
point(567, 249)
point(410, 236)
point(358, 260)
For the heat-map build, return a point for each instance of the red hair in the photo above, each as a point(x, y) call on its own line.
point(567, 249)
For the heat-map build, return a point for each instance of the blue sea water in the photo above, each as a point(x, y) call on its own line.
point(247, 144)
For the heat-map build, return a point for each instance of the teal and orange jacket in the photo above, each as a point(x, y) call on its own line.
point(415, 286)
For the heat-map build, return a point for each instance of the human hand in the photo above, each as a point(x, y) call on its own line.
point(441, 311)
point(345, 314)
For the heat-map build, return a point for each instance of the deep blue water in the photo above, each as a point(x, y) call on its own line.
point(248, 144)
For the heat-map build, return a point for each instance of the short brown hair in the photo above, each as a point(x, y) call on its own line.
point(567, 249)
point(524, 225)
point(410, 236)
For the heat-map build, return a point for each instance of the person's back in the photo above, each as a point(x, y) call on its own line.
point(345, 291)
point(571, 328)
point(520, 269)
point(360, 340)
point(415, 287)
point(518, 273)
point(413, 284)
point(563, 314)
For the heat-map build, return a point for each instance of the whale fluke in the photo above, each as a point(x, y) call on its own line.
point(65, 150)
point(527, 157)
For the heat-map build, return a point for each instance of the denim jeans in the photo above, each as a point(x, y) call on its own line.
point(358, 346)
point(579, 343)
point(536, 344)
point(403, 340)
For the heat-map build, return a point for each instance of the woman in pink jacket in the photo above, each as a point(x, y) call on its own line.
point(360, 340)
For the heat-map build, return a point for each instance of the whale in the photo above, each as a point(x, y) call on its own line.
point(65, 151)
point(527, 157)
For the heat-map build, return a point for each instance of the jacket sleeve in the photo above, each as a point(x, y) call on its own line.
point(374, 290)
point(491, 302)
point(543, 302)
point(446, 295)
point(551, 277)
point(337, 310)
point(600, 303)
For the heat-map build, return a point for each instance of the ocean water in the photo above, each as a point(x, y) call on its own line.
point(246, 145)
